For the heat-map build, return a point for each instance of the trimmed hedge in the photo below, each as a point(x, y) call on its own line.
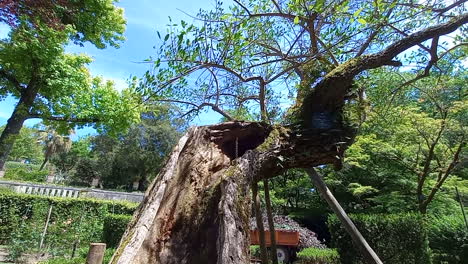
point(396, 238)
point(318, 256)
point(114, 228)
point(22, 220)
point(448, 239)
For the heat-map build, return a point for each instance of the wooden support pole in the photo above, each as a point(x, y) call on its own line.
point(96, 253)
point(259, 219)
point(369, 255)
point(271, 223)
point(45, 227)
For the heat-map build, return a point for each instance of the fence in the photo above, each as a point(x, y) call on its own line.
point(73, 192)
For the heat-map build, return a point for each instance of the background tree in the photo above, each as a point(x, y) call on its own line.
point(120, 161)
point(413, 141)
point(27, 147)
point(246, 55)
point(53, 143)
point(99, 22)
point(55, 86)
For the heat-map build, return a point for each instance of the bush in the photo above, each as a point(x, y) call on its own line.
point(397, 238)
point(448, 239)
point(22, 219)
point(318, 256)
point(24, 174)
point(80, 259)
point(21, 165)
point(114, 228)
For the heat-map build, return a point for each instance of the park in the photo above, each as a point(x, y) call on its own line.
point(244, 131)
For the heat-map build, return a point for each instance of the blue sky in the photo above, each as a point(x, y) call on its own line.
point(144, 18)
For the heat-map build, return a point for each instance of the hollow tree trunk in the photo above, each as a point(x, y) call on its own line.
point(198, 208)
point(197, 211)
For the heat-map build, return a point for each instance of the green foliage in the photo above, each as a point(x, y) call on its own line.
point(254, 251)
point(27, 146)
point(448, 238)
point(396, 238)
point(97, 21)
point(21, 174)
point(56, 86)
point(80, 259)
point(114, 228)
point(383, 168)
point(22, 219)
point(318, 256)
point(136, 155)
point(21, 165)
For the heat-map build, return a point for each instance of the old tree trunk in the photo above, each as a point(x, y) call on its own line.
point(197, 209)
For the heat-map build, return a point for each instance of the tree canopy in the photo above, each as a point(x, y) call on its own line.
point(99, 22)
point(53, 85)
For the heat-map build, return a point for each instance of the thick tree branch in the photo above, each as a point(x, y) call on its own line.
point(328, 95)
point(11, 79)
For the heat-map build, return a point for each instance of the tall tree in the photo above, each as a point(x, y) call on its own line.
point(55, 86)
point(53, 142)
point(413, 141)
point(245, 56)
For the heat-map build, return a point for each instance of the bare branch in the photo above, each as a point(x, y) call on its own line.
point(65, 118)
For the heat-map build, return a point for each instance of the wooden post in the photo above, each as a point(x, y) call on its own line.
point(45, 227)
point(259, 220)
point(96, 253)
point(461, 206)
point(271, 223)
point(369, 255)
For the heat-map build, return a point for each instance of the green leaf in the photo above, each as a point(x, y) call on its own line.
point(296, 20)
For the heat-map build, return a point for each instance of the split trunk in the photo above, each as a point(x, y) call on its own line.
point(198, 208)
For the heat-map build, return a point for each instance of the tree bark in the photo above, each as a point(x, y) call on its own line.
point(44, 163)
point(197, 210)
point(369, 255)
point(15, 122)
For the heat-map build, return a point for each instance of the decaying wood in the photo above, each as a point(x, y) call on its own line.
point(198, 208)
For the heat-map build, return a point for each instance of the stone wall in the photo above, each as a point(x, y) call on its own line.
point(64, 191)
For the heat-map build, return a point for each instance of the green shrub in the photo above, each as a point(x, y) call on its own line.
point(22, 174)
point(397, 238)
point(22, 219)
point(21, 165)
point(80, 259)
point(318, 256)
point(448, 239)
point(114, 227)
